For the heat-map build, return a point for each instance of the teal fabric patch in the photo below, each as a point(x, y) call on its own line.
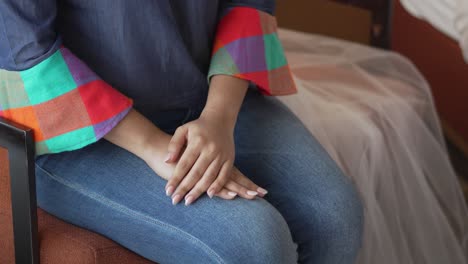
point(12, 91)
point(48, 80)
point(72, 140)
point(274, 53)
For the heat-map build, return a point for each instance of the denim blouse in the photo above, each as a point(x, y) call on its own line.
point(72, 69)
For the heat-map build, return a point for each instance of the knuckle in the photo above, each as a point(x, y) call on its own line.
point(196, 173)
point(182, 189)
point(241, 189)
point(212, 148)
point(200, 140)
point(183, 165)
point(179, 130)
point(215, 185)
point(204, 186)
point(196, 191)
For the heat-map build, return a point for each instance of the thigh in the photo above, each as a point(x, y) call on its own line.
point(320, 204)
point(110, 191)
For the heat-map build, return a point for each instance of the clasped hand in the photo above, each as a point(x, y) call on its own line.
point(203, 152)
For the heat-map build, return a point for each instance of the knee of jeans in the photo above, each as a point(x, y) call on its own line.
point(259, 235)
point(338, 223)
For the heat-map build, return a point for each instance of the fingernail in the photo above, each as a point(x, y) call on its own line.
point(176, 199)
point(233, 194)
point(261, 190)
point(169, 190)
point(168, 157)
point(252, 193)
point(188, 200)
point(211, 193)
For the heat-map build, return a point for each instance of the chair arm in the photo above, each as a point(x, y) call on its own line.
point(18, 140)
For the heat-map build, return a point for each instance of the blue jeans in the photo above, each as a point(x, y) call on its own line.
point(312, 213)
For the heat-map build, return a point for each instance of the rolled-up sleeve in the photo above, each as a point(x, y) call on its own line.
point(247, 46)
point(44, 86)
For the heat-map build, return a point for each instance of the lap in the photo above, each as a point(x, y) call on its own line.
point(110, 191)
point(106, 189)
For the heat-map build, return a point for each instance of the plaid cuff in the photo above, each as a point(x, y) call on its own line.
point(247, 46)
point(63, 101)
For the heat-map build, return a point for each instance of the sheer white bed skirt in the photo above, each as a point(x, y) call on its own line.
point(374, 114)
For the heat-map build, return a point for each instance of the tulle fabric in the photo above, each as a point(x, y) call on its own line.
point(374, 114)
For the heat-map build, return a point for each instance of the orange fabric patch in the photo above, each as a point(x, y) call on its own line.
point(268, 23)
point(25, 116)
point(281, 82)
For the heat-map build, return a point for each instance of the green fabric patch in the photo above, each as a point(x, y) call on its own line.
point(72, 140)
point(222, 63)
point(12, 91)
point(48, 79)
point(274, 53)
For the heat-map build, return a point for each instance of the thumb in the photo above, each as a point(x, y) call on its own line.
point(176, 144)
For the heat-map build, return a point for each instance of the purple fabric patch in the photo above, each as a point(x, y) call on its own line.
point(80, 72)
point(101, 129)
point(248, 54)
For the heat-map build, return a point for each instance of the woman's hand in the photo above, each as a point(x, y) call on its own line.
point(138, 135)
point(207, 161)
point(237, 183)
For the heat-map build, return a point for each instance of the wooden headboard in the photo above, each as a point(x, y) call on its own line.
point(362, 21)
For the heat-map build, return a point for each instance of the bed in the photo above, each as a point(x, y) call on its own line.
point(373, 112)
point(386, 24)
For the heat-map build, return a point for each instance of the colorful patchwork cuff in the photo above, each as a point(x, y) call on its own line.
point(247, 46)
point(63, 101)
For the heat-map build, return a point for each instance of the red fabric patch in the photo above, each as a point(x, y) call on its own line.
point(240, 22)
point(102, 101)
point(259, 78)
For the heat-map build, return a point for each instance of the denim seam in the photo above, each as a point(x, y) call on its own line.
point(128, 211)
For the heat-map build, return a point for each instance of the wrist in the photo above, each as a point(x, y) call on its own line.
point(138, 135)
point(154, 146)
point(219, 115)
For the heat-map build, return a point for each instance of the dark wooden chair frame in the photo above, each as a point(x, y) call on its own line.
point(19, 142)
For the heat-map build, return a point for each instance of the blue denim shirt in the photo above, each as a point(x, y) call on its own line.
point(157, 52)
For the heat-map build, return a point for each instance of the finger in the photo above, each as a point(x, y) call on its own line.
point(176, 144)
point(202, 185)
point(221, 179)
point(243, 180)
point(189, 157)
point(226, 194)
point(240, 190)
point(192, 178)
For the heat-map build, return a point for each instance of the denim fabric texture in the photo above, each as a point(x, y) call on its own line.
point(312, 213)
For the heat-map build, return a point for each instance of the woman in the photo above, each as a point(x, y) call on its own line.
point(179, 135)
